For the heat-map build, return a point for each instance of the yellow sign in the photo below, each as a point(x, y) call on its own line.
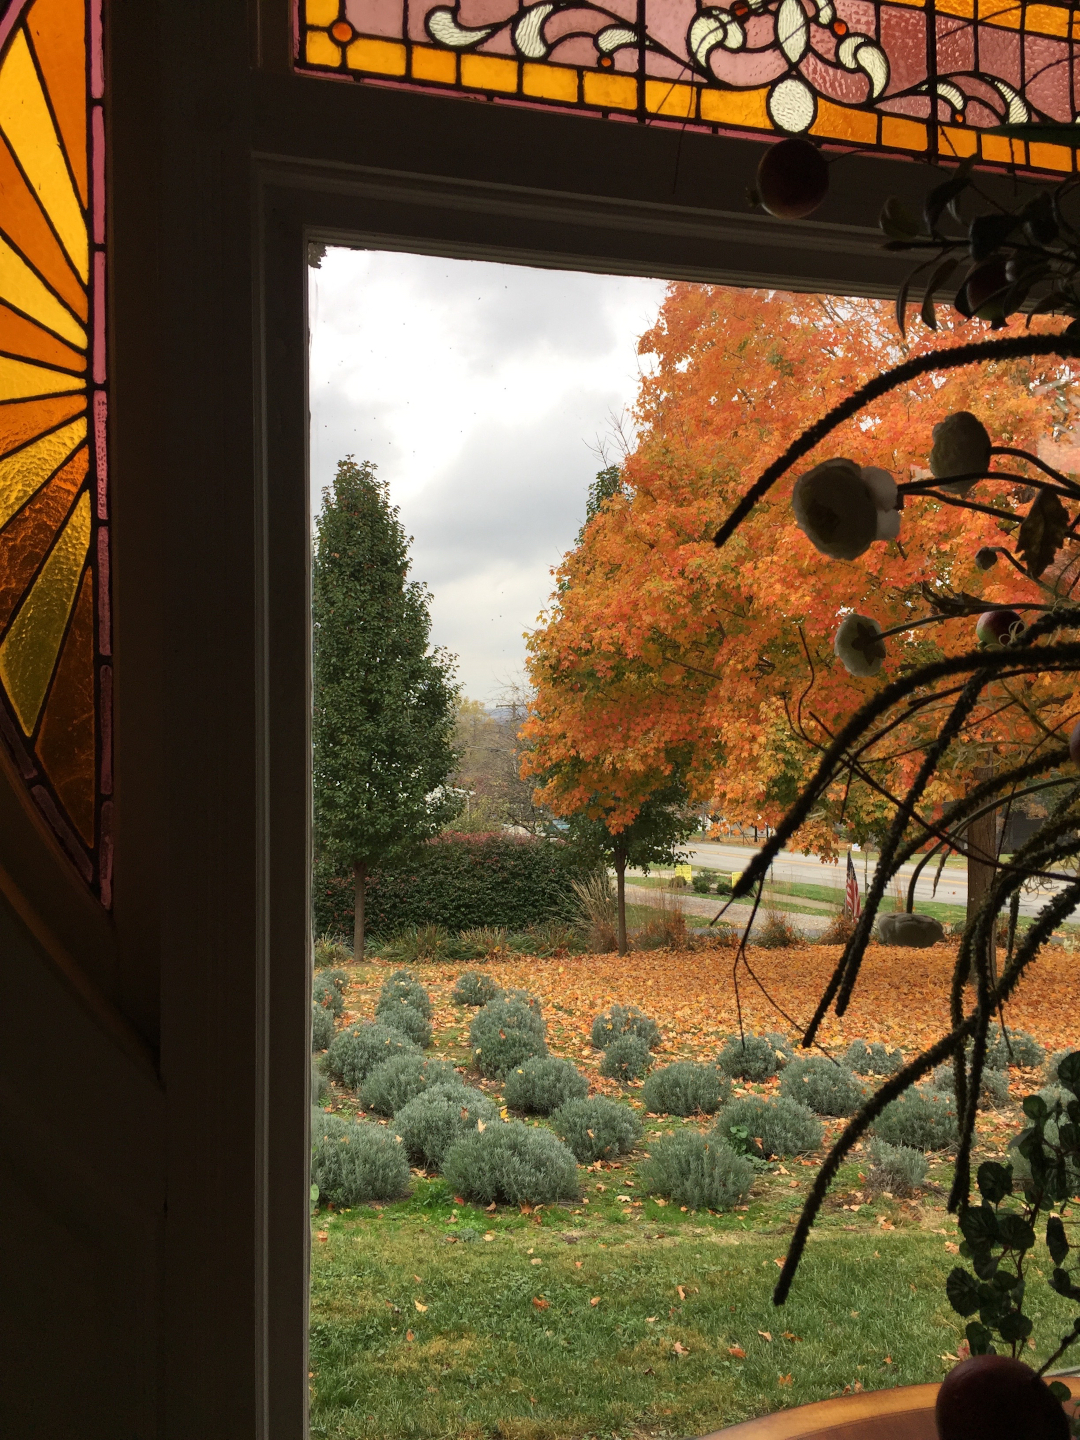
point(684, 872)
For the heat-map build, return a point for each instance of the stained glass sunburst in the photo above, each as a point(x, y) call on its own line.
point(55, 672)
point(919, 77)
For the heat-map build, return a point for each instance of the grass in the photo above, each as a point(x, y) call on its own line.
point(434, 1317)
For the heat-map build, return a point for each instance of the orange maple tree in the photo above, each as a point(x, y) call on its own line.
point(661, 653)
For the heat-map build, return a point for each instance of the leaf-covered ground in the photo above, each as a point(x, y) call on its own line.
point(620, 1315)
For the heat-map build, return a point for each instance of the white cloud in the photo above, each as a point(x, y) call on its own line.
point(477, 389)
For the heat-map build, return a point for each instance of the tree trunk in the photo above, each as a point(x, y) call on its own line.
point(620, 895)
point(982, 863)
point(359, 871)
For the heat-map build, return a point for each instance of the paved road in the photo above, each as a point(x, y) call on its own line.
point(709, 905)
point(808, 870)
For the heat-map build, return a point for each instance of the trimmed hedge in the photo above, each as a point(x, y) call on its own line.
point(773, 1127)
point(596, 1128)
point(827, 1088)
point(698, 1170)
point(542, 1084)
point(512, 1164)
point(355, 1052)
point(394, 1082)
point(685, 1089)
point(626, 1058)
point(438, 1117)
point(460, 881)
point(503, 1034)
point(352, 1162)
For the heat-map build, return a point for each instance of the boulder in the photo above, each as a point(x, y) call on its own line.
point(916, 931)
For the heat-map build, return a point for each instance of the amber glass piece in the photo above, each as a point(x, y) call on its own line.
point(21, 381)
point(30, 647)
point(23, 337)
point(22, 420)
point(439, 65)
point(25, 471)
point(321, 50)
point(25, 540)
point(29, 130)
point(21, 287)
point(57, 32)
point(22, 221)
point(65, 744)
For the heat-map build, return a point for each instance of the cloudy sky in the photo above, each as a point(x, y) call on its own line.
point(481, 392)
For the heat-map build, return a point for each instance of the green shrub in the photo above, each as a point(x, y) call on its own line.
point(626, 1058)
point(624, 1020)
point(504, 1033)
point(751, 1057)
point(542, 1084)
point(896, 1168)
point(1053, 1063)
point(328, 990)
point(780, 1126)
point(394, 1082)
point(685, 1089)
point(873, 1059)
point(473, 988)
point(402, 1016)
point(828, 1088)
point(322, 1027)
point(403, 986)
point(993, 1091)
point(459, 881)
point(921, 1119)
point(355, 1052)
point(597, 1128)
point(697, 1171)
point(433, 1120)
point(515, 1164)
point(1019, 1048)
point(526, 997)
point(701, 884)
point(331, 949)
point(354, 1162)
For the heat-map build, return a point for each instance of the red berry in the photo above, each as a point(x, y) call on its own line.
point(992, 1397)
point(998, 627)
point(792, 179)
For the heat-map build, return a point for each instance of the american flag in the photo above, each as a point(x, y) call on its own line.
point(852, 903)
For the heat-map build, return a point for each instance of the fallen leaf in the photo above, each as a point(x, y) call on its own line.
point(540, 1303)
point(737, 1351)
point(651, 1319)
point(490, 1209)
point(790, 1335)
point(951, 1248)
point(781, 1261)
point(681, 1291)
point(321, 1235)
point(537, 1261)
point(419, 1307)
point(409, 1336)
point(595, 1300)
point(679, 1349)
point(765, 1335)
point(783, 1379)
point(490, 1235)
point(854, 1314)
point(577, 1264)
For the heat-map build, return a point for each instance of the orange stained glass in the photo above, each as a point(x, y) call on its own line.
point(55, 642)
point(891, 75)
point(25, 541)
point(66, 740)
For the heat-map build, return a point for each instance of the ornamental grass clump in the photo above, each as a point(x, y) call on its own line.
point(402, 1016)
point(685, 1089)
point(752, 1057)
point(896, 1169)
point(505, 1033)
point(355, 1052)
point(597, 1128)
point(396, 1081)
point(698, 1171)
point(922, 1119)
point(403, 985)
point(873, 1059)
point(433, 1120)
point(993, 1091)
point(353, 1162)
point(330, 950)
point(542, 1084)
point(826, 1087)
point(322, 1027)
point(626, 1058)
point(780, 1126)
point(511, 1164)
point(328, 990)
point(624, 1020)
point(474, 988)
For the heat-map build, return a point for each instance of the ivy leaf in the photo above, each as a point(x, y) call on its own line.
point(979, 1339)
point(1015, 1232)
point(994, 1181)
point(1056, 1242)
point(962, 1291)
point(1015, 1326)
point(1069, 1072)
point(1060, 1392)
point(979, 1225)
point(1038, 541)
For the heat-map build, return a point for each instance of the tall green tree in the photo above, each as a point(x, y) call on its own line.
point(385, 700)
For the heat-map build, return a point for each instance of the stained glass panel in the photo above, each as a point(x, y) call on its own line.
point(55, 676)
point(920, 77)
